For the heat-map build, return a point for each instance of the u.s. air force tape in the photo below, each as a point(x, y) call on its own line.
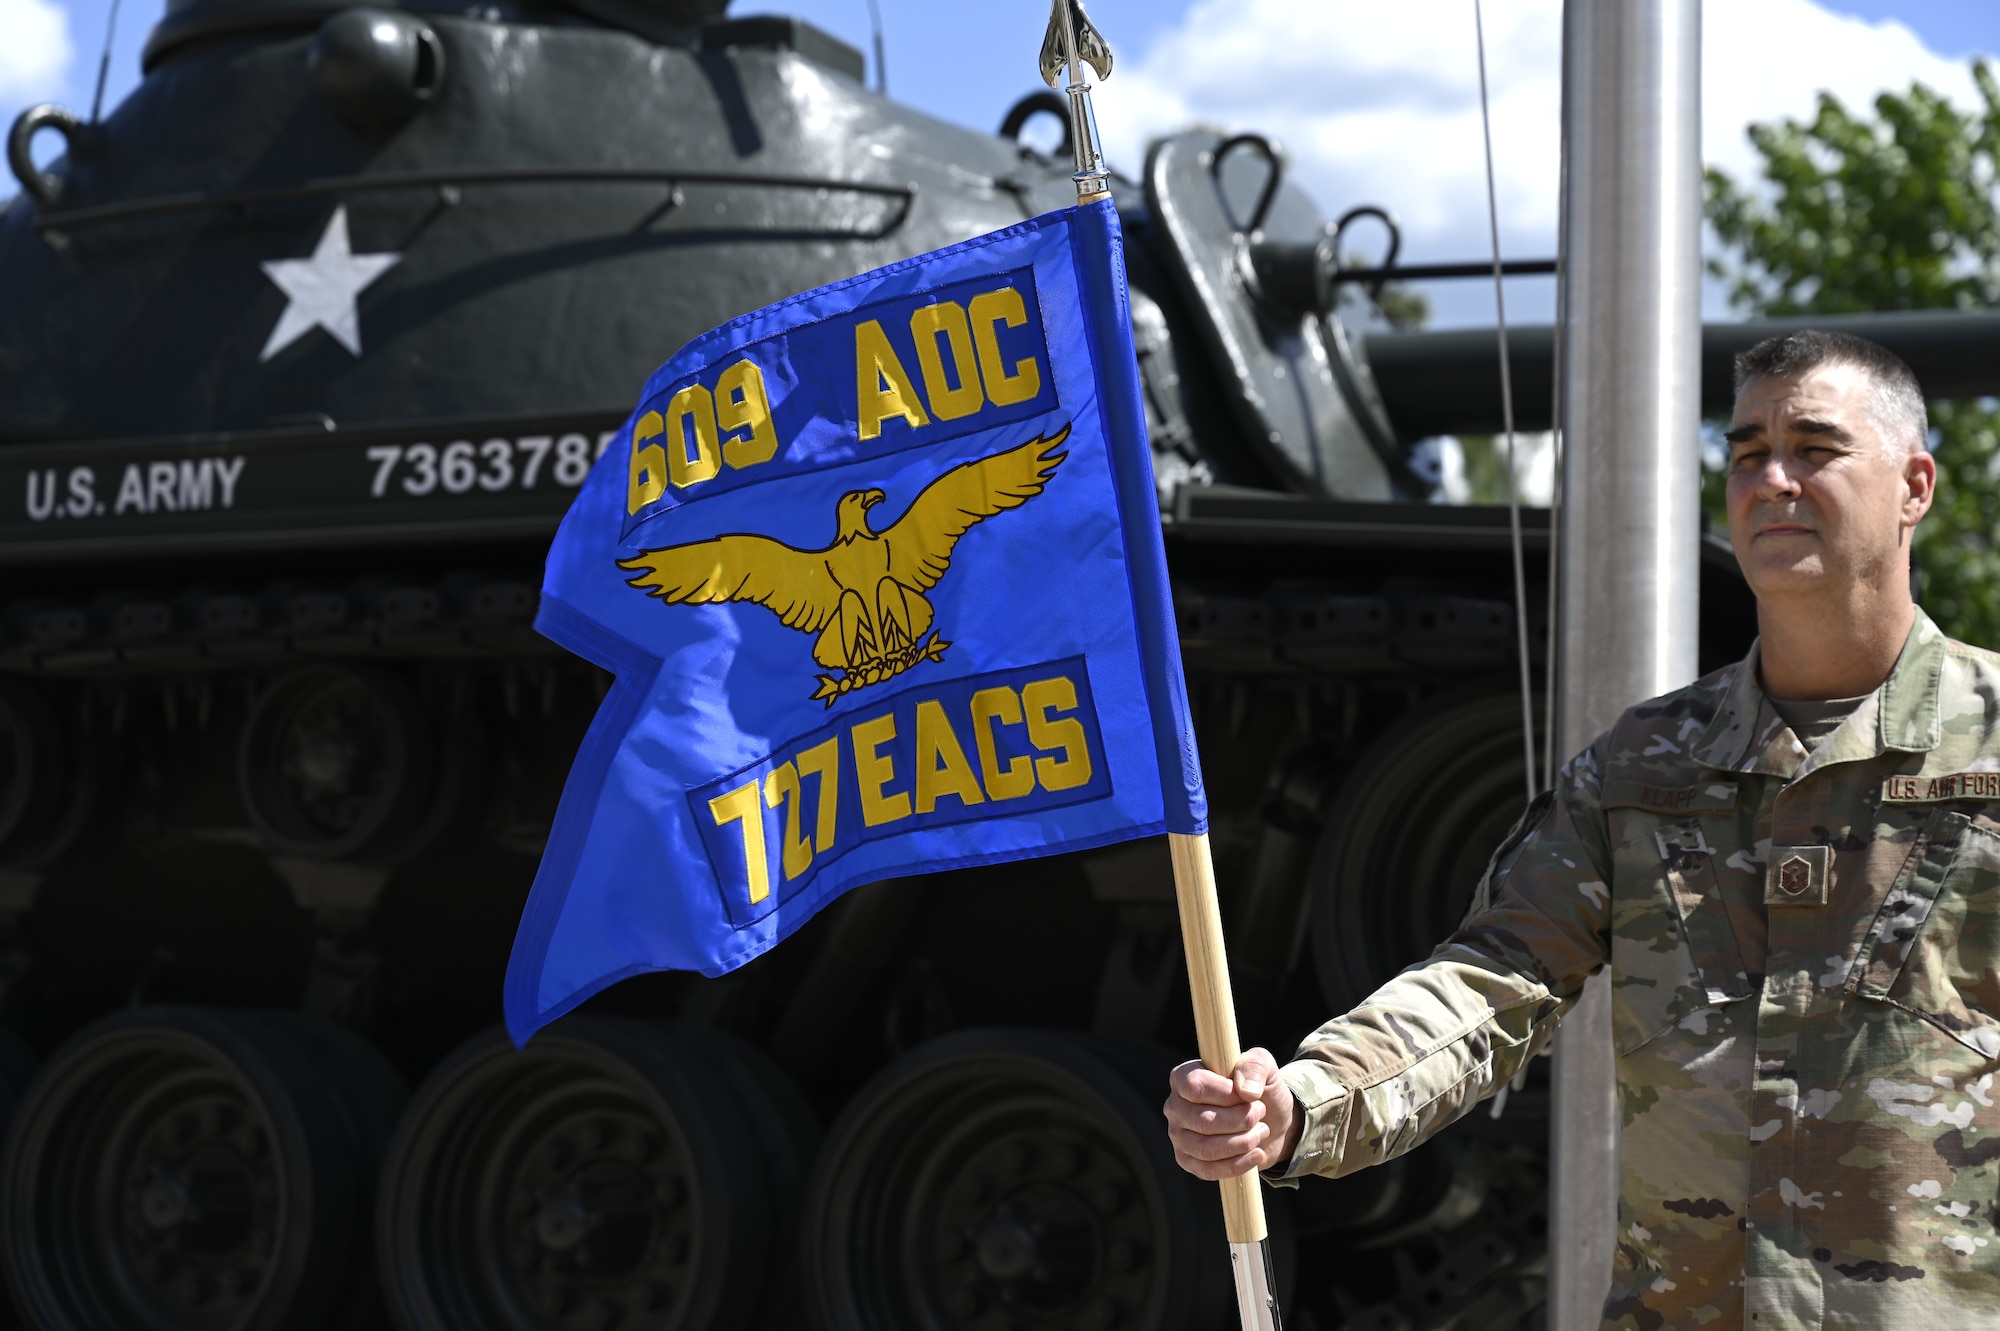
point(1939, 789)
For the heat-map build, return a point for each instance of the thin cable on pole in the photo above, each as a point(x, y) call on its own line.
point(1556, 441)
point(1550, 761)
point(1507, 419)
point(104, 64)
point(881, 64)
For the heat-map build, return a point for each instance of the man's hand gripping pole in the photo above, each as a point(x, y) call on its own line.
point(1215, 1032)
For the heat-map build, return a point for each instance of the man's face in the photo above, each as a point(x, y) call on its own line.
point(1819, 498)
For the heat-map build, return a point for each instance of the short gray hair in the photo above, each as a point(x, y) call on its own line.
point(1898, 398)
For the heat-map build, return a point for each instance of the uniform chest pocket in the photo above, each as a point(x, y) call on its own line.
point(1674, 951)
point(1934, 946)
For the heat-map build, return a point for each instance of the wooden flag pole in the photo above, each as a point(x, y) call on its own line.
point(1215, 1034)
point(1070, 35)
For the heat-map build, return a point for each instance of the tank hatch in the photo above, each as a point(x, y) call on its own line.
point(1254, 261)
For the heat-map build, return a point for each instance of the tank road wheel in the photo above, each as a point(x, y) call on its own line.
point(615, 1173)
point(1409, 834)
point(337, 763)
point(48, 778)
point(1002, 1179)
point(178, 1168)
point(17, 1067)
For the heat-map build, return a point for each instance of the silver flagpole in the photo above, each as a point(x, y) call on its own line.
point(1631, 362)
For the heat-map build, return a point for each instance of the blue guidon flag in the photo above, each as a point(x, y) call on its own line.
point(878, 569)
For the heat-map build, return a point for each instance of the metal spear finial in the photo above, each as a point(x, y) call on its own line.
point(1072, 40)
point(1089, 43)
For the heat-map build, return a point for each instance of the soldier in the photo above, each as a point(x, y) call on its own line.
point(1792, 867)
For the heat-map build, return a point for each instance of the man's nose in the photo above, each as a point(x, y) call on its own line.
point(1775, 480)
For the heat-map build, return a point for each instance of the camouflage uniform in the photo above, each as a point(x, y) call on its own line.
point(1805, 959)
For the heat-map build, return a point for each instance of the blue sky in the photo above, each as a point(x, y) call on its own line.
point(1949, 27)
point(1375, 102)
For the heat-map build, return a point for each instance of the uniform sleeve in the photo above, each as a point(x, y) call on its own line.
point(1433, 1042)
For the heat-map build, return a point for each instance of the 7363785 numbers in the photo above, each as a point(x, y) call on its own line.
point(462, 466)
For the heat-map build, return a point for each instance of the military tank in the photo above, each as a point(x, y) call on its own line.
point(303, 352)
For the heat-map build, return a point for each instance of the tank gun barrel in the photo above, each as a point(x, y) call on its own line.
point(1445, 382)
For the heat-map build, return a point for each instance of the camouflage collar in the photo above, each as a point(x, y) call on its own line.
point(1745, 735)
point(1910, 718)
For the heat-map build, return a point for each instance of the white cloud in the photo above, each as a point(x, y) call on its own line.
point(1379, 103)
point(34, 49)
point(1849, 57)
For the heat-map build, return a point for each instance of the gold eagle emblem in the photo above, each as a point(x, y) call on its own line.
point(863, 595)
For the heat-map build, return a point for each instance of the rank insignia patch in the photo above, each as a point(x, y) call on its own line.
point(1797, 876)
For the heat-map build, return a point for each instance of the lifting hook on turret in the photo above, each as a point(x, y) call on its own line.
point(44, 187)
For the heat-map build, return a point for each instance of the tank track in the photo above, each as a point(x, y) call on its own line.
point(461, 615)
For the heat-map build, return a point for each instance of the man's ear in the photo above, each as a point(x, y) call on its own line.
point(1920, 480)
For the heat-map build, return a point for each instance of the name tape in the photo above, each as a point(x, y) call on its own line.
point(1937, 789)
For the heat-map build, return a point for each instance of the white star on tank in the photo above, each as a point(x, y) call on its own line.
point(320, 291)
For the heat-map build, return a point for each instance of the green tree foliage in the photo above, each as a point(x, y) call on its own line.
point(1898, 211)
